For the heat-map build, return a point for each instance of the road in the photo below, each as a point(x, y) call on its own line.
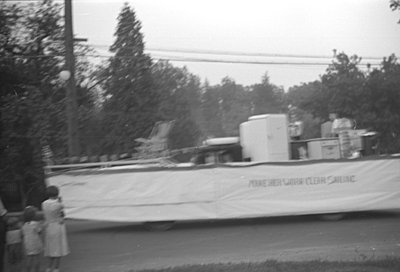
point(104, 246)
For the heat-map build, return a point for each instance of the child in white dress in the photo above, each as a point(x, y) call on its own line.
point(56, 244)
point(32, 240)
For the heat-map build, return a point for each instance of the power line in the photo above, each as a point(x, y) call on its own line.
point(187, 59)
point(252, 62)
point(245, 54)
point(242, 62)
point(234, 53)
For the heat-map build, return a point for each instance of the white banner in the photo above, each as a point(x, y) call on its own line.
point(236, 191)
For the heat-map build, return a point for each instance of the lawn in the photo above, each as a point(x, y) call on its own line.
point(384, 265)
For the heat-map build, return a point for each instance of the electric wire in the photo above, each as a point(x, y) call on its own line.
point(234, 53)
point(188, 59)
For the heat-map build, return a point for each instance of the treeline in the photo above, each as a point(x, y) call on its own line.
point(371, 98)
point(121, 99)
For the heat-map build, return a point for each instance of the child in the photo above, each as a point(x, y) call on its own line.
point(14, 244)
point(32, 241)
point(56, 244)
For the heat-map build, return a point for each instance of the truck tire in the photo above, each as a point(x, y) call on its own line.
point(332, 216)
point(159, 225)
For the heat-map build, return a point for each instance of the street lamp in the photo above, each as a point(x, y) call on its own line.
point(65, 75)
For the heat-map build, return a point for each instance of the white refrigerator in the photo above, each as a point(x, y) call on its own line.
point(264, 138)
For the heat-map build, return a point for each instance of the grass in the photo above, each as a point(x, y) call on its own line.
point(384, 265)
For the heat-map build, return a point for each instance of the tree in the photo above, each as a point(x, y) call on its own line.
point(235, 106)
point(381, 100)
point(179, 95)
point(266, 97)
point(395, 5)
point(22, 167)
point(32, 56)
point(338, 90)
point(372, 99)
point(343, 83)
point(309, 97)
point(27, 61)
point(312, 110)
point(9, 17)
point(211, 112)
point(131, 104)
point(32, 98)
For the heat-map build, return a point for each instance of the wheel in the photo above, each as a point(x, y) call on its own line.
point(159, 225)
point(332, 216)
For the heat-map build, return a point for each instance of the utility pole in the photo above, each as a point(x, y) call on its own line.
point(71, 106)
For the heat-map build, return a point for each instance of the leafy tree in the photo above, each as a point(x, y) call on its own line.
point(343, 83)
point(22, 139)
point(381, 100)
point(33, 57)
point(179, 93)
point(371, 99)
point(266, 97)
point(235, 106)
point(9, 76)
point(339, 90)
point(211, 112)
point(32, 98)
point(395, 5)
point(309, 97)
point(131, 102)
point(28, 34)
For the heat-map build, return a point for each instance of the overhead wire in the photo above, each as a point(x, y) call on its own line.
point(187, 56)
point(234, 53)
point(190, 59)
point(195, 56)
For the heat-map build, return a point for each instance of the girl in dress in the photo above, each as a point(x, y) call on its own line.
point(56, 244)
point(32, 240)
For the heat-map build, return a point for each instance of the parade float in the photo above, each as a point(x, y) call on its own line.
point(261, 173)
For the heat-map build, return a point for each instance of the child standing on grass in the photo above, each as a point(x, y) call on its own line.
point(56, 244)
point(14, 244)
point(32, 240)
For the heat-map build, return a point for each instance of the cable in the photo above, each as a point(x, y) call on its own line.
point(234, 53)
point(242, 62)
point(186, 59)
point(205, 60)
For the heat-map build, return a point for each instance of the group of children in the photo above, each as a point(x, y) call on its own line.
point(34, 236)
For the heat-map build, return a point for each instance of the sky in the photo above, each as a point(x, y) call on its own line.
point(252, 35)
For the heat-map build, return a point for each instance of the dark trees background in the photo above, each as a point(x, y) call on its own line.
point(370, 97)
point(32, 97)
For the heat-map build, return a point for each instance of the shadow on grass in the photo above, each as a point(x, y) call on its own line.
point(101, 227)
point(383, 265)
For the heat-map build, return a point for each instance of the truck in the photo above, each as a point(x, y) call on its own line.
point(248, 176)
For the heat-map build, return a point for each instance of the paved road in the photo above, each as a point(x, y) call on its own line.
point(102, 246)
